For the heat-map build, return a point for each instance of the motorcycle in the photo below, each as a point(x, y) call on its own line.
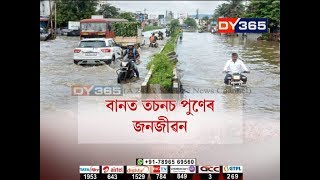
point(180, 37)
point(126, 70)
point(235, 80)
point(154, 44)
point(160, 37)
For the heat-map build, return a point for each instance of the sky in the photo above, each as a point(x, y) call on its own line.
point(160, 7)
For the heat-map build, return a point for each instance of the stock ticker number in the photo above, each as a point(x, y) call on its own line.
point(138, 176)
point(112, 176)
point(232, 176)
point(182, 176)
point(161, 176)
point(90, 176)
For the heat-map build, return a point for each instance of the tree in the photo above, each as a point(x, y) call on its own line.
point(206, 18)
point(109, 11)
point(174, 24)
point(127, 15)
point(234, 8)
point(71, 10)
point(265, 9)
point(190, 22)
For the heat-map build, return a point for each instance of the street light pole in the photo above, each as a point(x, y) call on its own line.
point(50, 18)
point(55, 19)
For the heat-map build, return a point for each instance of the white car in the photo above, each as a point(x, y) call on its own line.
point(96, 51)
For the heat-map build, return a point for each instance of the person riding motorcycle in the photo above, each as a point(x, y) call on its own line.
point(180, 33)
point(152, 39)
point(133, 54)
point(167, 32)
point(235, 66)
point(160, 34)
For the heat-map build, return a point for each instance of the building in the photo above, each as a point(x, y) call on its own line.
point(45, 8)
point(182, 17)
point(140, 16)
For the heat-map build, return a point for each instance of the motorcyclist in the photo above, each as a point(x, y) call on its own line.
point(133, 54)
point(167, 32)
point(152, 38)
point(180, 33)
point(235, 65)
point(160, 34)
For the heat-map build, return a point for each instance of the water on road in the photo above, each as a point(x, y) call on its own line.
point(202, 57)
point(58, 73)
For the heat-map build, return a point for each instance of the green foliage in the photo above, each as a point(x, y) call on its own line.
point(150, 28)
point(171, 43)
point(162, 70)
point(126, 29)
point(169, 47)
point(265, 9)
point(71, 10)
point(234, 8)
point(108, 11)
point(127, 15)
point(190, 22)
point(174, 24)
point(163, 67)
point(206, 18)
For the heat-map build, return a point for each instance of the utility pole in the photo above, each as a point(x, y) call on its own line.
point(197, 16)
point(55, 19)
point(51, 25)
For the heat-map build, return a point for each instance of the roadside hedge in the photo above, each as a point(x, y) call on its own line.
point(163, 67)
point(125, 29)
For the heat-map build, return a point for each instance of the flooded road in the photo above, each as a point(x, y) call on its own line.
point(201, 60)
point(58, 73)
point(202, 57)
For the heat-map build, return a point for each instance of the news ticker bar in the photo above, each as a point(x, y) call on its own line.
point(160, 169)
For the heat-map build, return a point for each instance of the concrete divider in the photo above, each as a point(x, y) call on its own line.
point(145, 83)
point(175, 81)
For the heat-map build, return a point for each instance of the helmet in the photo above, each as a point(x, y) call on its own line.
point(130, 44)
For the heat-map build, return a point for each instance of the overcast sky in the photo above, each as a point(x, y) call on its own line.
point(160, 7)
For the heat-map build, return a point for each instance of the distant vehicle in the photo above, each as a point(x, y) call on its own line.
point(96, 51)
point(44, 26)
point(44, 35)
point(98, 28)
point(74, 32)
point(102, 27)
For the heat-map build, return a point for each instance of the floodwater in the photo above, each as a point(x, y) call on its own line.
point(58, 73)
point(201, 60)
point(202, 57)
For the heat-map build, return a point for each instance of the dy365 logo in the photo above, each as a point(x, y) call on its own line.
point(242, 25)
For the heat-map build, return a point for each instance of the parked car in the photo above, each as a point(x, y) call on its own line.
point(97, 51)
point(74, 32)
point(44, 35)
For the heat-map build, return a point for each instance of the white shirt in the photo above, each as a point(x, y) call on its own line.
point(235, 67)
